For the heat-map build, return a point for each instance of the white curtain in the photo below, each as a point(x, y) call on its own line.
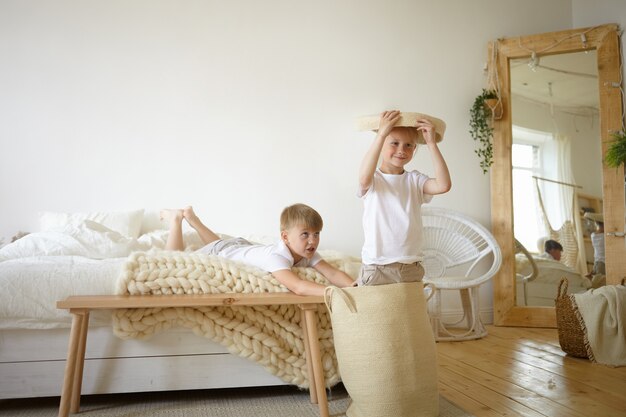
point(556, 155)
point(560, 201)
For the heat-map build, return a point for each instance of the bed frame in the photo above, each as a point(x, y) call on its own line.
point(32, 363)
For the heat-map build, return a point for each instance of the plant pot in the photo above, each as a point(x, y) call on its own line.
point(495, 106)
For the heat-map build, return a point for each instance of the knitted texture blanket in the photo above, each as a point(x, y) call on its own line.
point(268, 335)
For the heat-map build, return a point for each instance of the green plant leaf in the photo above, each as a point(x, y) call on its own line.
point(481, 129)
point(616, 153)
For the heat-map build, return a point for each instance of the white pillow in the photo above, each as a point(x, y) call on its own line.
point(152, 221)
point(127, 223)
point(88, 239)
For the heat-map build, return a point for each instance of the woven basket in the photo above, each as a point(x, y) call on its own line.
point(385, 349)
point(570, 328)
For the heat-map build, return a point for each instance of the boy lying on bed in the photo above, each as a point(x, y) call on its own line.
point(300, 228)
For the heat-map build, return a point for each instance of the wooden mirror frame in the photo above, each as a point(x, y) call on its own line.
point(605, 40)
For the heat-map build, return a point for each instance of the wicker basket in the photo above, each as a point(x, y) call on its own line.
point(570, 328)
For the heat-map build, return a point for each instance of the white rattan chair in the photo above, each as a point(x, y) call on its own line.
point(456, 251)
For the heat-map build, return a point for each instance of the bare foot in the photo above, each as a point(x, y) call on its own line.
point(206, 235)
point(190, 215)
point(172, 215)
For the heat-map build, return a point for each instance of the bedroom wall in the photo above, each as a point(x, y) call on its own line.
point(239, 108)
point(590, 12)
point(587, 13)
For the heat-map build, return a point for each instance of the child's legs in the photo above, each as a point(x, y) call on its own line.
point(175, 237)
point(206, 235)
point(599, 268)
point(390, 274)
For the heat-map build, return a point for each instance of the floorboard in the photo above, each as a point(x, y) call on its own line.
point(524, 372)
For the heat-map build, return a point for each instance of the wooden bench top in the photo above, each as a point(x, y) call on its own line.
point(104, 302)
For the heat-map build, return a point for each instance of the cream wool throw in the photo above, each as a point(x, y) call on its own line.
point(269, 335)
point(602, 312)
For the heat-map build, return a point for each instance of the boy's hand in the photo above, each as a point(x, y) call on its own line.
point(387, 121)
point(427, 129)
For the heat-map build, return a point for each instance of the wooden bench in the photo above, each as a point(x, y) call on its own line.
point(80, 306)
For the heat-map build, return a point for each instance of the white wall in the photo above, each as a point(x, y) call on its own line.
point(592, 12)
point(587, 13)
point(239, 108)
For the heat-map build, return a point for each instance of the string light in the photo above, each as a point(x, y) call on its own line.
point(493, 76)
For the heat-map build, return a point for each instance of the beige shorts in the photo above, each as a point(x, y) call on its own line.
point(215, 247)
point(390, 274)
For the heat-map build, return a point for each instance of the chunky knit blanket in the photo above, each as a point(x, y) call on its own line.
point(268, 335)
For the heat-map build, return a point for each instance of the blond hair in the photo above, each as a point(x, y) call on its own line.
point(300, 215)
point(411, 132)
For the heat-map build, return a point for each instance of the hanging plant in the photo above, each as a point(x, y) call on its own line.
point(481, 127)
point(616, 153)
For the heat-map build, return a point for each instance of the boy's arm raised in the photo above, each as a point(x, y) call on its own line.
point(442, 182)
point(368, 164)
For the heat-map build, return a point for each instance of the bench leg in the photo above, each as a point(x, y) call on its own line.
point(79, 320)
point(310, 316)
point(80, 363)
point(309, 361)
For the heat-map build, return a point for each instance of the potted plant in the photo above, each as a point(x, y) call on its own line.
point(616, 153)
point(481, 127)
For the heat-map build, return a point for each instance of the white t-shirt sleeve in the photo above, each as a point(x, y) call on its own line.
point(420, 180)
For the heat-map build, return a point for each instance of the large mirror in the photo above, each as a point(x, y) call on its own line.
point(559, 106)
point(556, 158)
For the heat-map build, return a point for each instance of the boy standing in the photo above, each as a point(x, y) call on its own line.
point(392, 199)
point(597, 241)
point(300, 227)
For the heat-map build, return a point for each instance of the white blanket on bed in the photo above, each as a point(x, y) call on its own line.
point(30, 288)
point(42, 268)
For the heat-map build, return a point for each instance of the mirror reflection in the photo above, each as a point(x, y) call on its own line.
point(557, 175)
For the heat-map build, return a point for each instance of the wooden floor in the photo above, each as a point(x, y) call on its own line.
point(524, 372)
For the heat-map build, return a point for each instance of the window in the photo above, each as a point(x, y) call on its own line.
point(526, 160)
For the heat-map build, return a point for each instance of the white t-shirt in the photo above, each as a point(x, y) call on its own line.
point(546, 255)
point(597, 240)
point(392, 218)
point(267, 257)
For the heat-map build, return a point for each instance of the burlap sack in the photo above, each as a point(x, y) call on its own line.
point(385, 350)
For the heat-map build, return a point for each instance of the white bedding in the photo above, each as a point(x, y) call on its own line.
point(543, 289)
point(30, 287)
point(76, 259)
point(549, 270)
point(86, 258)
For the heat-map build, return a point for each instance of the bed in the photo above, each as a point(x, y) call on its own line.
point(537, 279)
point(79, 254)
